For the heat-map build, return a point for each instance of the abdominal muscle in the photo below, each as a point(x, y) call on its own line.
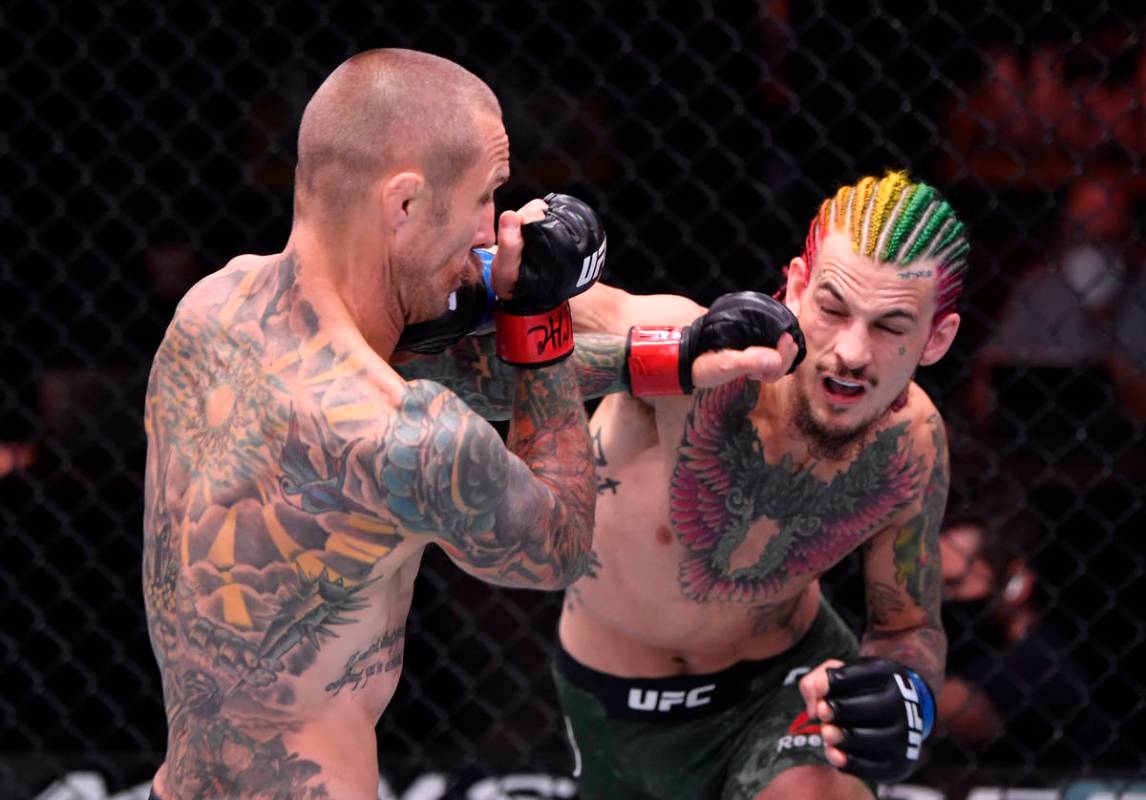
point(631, 617)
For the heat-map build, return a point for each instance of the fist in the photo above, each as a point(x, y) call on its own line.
point(741, 321)
point(875, 713)
point(563, 255)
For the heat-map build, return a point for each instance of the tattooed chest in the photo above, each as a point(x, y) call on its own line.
point(751, 528)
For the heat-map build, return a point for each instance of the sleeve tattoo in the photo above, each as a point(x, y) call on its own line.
point(472, 370)
point(520, 518)
point(903, 598)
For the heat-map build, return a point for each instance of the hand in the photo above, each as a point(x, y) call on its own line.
point(742, 334)
point(507, 258)
point(561, 251)
point(874, 715)
point(757, 363)
point(556, 256)
point(742, 320)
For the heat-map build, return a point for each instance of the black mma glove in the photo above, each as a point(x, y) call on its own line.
point(885, 711)
point(470, 313)
point(563, 256)
point(660, 359)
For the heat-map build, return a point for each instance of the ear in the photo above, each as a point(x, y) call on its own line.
point(799, 273)
point(400, 193)
point(939, 342)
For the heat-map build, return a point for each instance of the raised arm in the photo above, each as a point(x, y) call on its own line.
point(743, 336)
point(518, 513)
point(472, 370)
point(607, 309)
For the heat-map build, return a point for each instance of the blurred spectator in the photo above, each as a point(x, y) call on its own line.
point(1012, 681)
point(1035, 115)
point(16, 456)
point(1071, 326)
point(974, 609)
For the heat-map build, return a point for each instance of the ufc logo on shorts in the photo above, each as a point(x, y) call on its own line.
point(652, 700)
point(914, 720)
point(592, 265)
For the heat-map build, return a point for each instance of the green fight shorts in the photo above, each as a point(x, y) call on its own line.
point(723, 735)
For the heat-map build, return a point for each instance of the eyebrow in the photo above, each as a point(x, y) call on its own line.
point(895, 313)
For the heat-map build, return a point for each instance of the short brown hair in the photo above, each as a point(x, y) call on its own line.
point(386, 109)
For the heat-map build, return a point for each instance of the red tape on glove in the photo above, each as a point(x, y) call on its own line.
point(654, 362)
point(535, 340)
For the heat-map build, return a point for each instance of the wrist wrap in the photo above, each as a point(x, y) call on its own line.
point(653, 364)
point(534, 340)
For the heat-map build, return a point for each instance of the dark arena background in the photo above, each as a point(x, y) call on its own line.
point(145, 144)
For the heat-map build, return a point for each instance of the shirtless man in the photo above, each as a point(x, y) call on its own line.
point(698, 658)
point(294, 479)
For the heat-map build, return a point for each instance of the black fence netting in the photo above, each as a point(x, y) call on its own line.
point(144, 144)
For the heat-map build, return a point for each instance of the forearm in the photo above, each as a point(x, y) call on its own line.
point(548, 431)
point(922, 649)
point(472, 370)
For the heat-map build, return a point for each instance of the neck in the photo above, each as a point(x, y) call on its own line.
point(348, 283)
point(773, 414)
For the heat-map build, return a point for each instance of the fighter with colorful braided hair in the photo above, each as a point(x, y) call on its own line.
point(697, 657)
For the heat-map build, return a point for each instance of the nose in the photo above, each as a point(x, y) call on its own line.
point(853, 347)
point(484, 235)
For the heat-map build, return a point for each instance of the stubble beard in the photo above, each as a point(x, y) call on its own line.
point(825, 443)
point(420, 275)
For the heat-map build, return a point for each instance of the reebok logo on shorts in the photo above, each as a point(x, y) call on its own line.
point(803, 732)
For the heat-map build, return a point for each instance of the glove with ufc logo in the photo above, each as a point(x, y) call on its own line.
point(885, 711)
point(660, 359)
point(564, 254)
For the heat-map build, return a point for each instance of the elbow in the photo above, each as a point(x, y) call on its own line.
point(572, 553)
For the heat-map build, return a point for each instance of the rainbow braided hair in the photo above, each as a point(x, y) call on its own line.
point(898, 221)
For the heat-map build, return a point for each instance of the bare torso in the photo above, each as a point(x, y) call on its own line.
point(277, 584)
point(710, 537)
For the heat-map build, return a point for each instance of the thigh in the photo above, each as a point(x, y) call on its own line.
point(597, 772)
point(781, 735)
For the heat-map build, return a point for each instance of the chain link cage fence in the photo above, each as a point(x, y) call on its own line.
point(144, 144)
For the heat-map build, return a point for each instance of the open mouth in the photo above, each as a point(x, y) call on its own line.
point(840, 389)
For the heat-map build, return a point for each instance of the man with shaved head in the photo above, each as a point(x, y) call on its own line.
point(294, 479)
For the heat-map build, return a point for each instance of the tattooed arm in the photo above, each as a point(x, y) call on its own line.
point(902, 576)
point(472, 370)
point(518, 515)
point(602, 317)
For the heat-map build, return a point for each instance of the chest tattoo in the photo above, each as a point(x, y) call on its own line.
point(722, 485)
point(605, 483)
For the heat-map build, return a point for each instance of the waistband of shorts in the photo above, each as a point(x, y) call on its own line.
point(679, 696)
